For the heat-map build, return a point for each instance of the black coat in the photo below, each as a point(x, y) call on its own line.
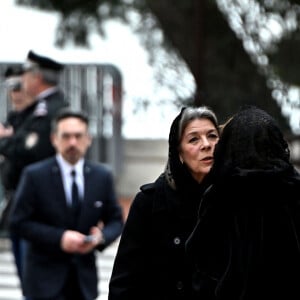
point(246, 243)
point(40, 215)
point(150, 262)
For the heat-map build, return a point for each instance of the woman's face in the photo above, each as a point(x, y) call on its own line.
point(197, 146)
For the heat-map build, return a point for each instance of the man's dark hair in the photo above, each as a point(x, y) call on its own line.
point(69, 113)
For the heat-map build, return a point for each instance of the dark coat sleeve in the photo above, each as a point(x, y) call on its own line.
point(128, 275)
point(246, 244)
point(112, 218)
point(23, 220)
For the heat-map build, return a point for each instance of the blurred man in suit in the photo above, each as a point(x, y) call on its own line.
point(66, 208)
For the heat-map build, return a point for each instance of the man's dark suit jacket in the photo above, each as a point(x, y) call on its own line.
point(41, 215)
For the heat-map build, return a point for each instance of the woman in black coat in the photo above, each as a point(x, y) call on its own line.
point(246, 242)
point(150, 262)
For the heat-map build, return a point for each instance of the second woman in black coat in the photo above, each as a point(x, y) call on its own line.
point(150, 262)
point(246, 242)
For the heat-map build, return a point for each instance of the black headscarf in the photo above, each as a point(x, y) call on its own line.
point(251, 142)
point(174, 167)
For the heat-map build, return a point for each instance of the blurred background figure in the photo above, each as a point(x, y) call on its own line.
point(15, 117)
point(18, 101)
point(10, 168)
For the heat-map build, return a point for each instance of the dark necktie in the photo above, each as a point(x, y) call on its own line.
point(75, 194)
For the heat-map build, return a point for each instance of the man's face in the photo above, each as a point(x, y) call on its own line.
point(16, 93)
point(30, 82)
point(71, 139)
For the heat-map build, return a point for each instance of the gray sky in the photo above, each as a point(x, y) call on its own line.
point(35, 30)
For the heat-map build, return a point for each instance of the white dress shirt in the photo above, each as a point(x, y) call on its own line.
point(66, 169)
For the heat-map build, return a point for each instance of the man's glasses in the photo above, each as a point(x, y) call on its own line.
point(16, 88)
point(13, 85)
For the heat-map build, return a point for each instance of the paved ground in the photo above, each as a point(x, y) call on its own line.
point(9, 284)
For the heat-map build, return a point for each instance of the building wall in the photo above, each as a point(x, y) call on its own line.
point(143, 161)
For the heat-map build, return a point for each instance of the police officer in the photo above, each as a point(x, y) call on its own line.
point(40, 81)
point(15, 117)
point(11, 168)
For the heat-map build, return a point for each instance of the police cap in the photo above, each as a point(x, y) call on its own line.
point(37, 61)
point(12, 77)
point(12, 71)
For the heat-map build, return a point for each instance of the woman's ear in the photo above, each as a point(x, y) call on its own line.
point(181, 159)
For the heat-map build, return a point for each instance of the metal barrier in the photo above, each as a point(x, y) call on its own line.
point(97, 90)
